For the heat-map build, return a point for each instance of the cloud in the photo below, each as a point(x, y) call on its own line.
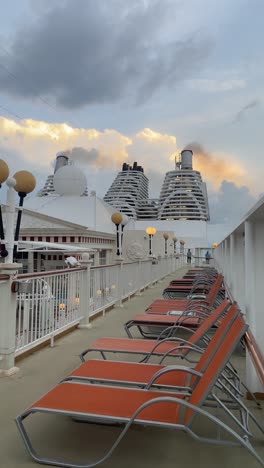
point(38, 142)
point(32, 145)
point(244, 110)
point(217, 86)
point(216, 168)
point(230, 203)
point(84, 156)
point(88, 52)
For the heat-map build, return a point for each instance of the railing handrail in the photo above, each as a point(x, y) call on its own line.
point(4, 277)
point(68, 270)
point(49, 273)
point(255, 353)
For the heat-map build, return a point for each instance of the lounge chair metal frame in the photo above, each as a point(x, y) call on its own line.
point(157, 343)
point(153, 404)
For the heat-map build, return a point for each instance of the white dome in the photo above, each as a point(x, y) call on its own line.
point(69, 180)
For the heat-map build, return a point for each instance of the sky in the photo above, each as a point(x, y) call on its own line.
point(115, 81)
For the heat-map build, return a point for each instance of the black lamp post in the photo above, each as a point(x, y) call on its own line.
point(174, 244)
point(25, 183)
point(151, 231)
point(22, 182)
point(4, 173)
point(182, 243)
point(124, 222)
point(117, 219)
point(166, 236)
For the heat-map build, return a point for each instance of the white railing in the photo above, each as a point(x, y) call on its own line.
point(61, 299)
point(240, 257)
point(52, 306)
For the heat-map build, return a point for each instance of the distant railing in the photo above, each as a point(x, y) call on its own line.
point(200, 261)
point(58, 300)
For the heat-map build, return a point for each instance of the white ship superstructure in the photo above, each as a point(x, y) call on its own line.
point(147, 209)
point(183, 195)
point(62, 159)
point(128, 189)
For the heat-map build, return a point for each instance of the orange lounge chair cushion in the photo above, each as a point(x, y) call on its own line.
point(164, 319)
point(119, 403)
point(135, 346)
point(129, 372)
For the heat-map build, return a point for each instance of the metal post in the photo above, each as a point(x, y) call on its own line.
point(10, 219)
point(19, 217)
point(150, 244)
point(118, 253)
point(85, 293)
point(120, 282)
point(8, 320)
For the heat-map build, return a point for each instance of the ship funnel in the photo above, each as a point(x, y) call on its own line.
point(186, 159)
point(62, 159)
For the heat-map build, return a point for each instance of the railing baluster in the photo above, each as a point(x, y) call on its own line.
point(54, 303)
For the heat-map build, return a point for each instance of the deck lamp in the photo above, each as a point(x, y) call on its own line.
point(182, 243)
point(174, 244)
point(151, 231)
point(166, 236)
point(124, 222)
point(117, 219)
point(4, 173)
point(215, 245)
point(25, 183)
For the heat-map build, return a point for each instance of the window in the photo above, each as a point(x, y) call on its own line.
point(47, 239)
point(72, 239)
point(40, 238)
point(64, 239)
point(56, 239)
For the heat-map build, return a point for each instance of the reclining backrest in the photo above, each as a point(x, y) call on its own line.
point(212, 294)
point(216, 340)
point(215, 367)
point(207, 323)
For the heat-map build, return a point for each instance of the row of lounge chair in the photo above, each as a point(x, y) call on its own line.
point(155, 394)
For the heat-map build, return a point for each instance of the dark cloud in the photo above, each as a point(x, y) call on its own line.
point(230, 203)
point(84, 156)
point(243, 111)
point(90, 52)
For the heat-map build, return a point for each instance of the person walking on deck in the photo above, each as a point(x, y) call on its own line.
point(207, 257)
point(189, 256)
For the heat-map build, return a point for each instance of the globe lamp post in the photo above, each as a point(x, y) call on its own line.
point(124, 222)
point(174, 244)
point(215, 245)
point(22, 182)
point(117, 219)
point(151, 231)
point(182, 243)
point(4, 173)
point(25, 184)
point(166, 237)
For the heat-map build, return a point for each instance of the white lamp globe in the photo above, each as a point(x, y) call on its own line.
point(125, 220)
point(69, 180)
